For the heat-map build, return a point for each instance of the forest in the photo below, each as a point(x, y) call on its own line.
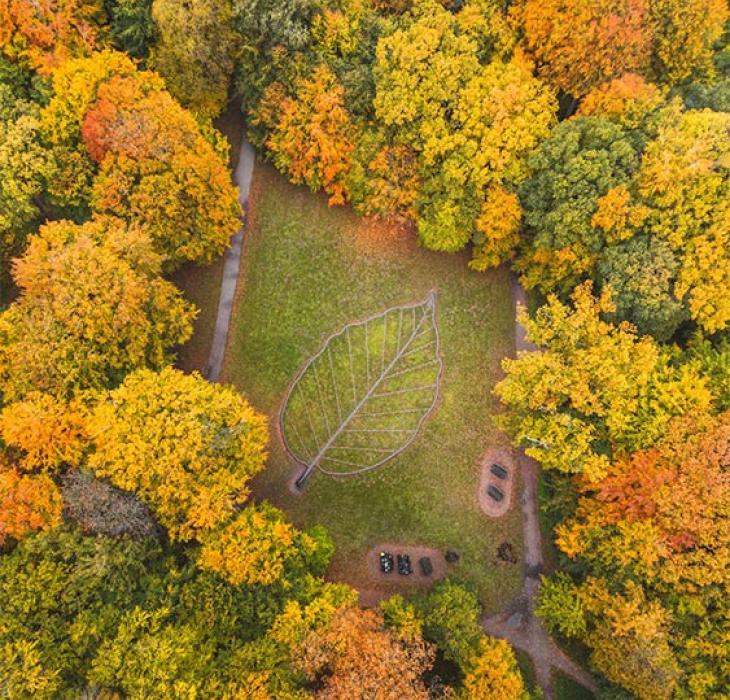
point(577, 149)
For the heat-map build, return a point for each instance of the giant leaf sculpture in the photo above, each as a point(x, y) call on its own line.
point(363, 398)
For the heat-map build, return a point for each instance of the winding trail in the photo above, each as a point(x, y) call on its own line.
point(518, 623)
point(231, 266)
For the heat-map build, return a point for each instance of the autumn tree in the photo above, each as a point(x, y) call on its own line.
point(684, 34)
point(648, 215)
point(682, 187)
point(312, 134)
point(492, 673)
point(255, 546)
point(355, 655)
point(629, 99)
point(185, 447)
point(92, 308)
point(43, 35)
point(582, 164)
point(195, 52)
point(28, 502)
point(579, 45)
point(23, 163)
point(653, 536)
point(472, 126)
point(594, 389)
point(123, 146)
point(44, 433)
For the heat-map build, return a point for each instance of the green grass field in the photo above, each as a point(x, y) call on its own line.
point(310, 270)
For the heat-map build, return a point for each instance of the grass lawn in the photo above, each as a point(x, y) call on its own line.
point(309, 270)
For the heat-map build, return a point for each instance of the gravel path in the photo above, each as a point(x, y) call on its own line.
point(231, 265)
point(518, 623)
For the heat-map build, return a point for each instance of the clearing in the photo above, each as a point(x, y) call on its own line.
point(307, 272)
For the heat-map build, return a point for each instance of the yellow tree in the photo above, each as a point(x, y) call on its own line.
point(593, 388)
point(492, 673)
point(92, 308)
point(683, 185)
point(630, 640)
point(472, 126)
point(684, 34)
point(186, 447)
point(254, 547)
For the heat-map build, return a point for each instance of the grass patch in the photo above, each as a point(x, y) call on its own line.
point(202, 287)
point(310, 270)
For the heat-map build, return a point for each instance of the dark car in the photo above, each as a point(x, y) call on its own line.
point(386, 562)
point(495, 493)
point(404, 565)
point(498, 470)
point(424, 563)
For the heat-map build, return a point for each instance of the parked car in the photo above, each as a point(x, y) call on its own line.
point(498, 470)
point(424, 563)
point(404, 565)
point(495, 493)
point(386, 562)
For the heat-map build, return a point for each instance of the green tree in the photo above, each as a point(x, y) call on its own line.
point(64, 594)
point(195, 52)
point(641, 273)
point(131, 26)
point(579, 163)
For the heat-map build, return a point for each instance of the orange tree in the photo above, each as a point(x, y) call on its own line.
point(653, 537)
point(44, 34)
point(579, 45)
point(123, 146)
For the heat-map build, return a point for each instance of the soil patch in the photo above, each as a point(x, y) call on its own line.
point(503, 457)
point(378, 237)
point(376, 576)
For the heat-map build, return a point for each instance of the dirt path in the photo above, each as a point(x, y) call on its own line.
point(518, 623)
point(231, 266)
